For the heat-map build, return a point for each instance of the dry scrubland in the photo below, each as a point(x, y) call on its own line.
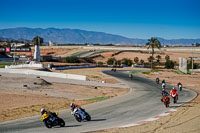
point(18, 101)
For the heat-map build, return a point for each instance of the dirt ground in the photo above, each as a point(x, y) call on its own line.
point(25, 96)
point(17, 101)
point(93, 74)
point(174, 55)
point(185, 120)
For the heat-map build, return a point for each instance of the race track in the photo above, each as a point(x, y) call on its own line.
point(142, 102)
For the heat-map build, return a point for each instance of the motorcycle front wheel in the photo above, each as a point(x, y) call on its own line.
point(78, 117)
point(48, 123)
point(61, 122)
point(88, 117)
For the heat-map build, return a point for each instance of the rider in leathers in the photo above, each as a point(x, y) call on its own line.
point(173, 91)
point(74, 106)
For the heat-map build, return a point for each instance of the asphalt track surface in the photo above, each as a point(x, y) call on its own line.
point(141, 103)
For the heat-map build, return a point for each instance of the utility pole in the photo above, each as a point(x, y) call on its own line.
point(14, 62)
point(192, 59)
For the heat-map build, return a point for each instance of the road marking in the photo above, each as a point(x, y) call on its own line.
point(150, 119)
point(130, 125)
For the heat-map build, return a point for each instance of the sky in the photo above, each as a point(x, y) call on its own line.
point(169, 19)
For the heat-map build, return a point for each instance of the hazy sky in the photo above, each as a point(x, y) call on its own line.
point(169, 19)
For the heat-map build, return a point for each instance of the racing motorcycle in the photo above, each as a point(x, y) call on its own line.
point(163, 85)
point(52, 119)
point(166, 101)
point(180, 87)
point(157, 80)
point(81, 115)
point(175, 97)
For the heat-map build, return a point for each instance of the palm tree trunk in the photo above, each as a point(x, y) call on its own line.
point(152, 59)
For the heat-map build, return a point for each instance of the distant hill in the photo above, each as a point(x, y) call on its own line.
point(77, 36)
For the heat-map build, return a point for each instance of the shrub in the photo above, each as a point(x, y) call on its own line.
point(150, 59)
point(141, 62)
point(167, 58)
point(72, 59)
point(169, 64)
point(111, 61)
point(189, 65)
point(100, 63)
point(136, 60)
point(127, 62)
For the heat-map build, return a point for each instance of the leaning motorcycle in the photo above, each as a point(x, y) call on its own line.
point(166, 101)
point(180, 87)
point(81, 115)
point(175, 97)
point(52, 119)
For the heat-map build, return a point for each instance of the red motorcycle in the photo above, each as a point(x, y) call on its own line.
point(166, 101)
point(175, 97)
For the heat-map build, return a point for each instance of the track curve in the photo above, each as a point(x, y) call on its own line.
point(142, 102)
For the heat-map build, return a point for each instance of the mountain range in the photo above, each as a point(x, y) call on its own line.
point(77, 36)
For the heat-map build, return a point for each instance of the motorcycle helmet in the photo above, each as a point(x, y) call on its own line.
point(42, 110)
point(72, 105)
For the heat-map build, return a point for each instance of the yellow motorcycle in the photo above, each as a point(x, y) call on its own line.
point(52, 119)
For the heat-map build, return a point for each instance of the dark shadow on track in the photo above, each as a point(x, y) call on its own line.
point(69, 126)
point(98, 120)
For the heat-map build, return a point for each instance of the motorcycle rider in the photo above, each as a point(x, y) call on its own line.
point(74, 106)
point(163, 85)
point(165, 98)
point(179, 85)
point(131, 76)
point(174, 91)
point(164, 92)
point(43, 111)
point(157, 80)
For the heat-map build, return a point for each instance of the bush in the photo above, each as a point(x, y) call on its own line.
point(169, 64)
point(141, 62)
point(111, 61)
point(136, 60)
point(167, 58)
point(150, 59)
point(119, 62)
point(72, 59)
point(100, 63)
point(189, 65)
point(127, 62)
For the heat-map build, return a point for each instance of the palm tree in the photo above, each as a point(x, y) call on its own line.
point(37, 40)
point(153, 43)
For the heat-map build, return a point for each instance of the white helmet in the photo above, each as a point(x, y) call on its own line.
point(42, 109)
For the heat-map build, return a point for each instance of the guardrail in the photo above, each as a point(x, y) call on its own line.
point(25, 65)
point(42, 73)
point(73, 67)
